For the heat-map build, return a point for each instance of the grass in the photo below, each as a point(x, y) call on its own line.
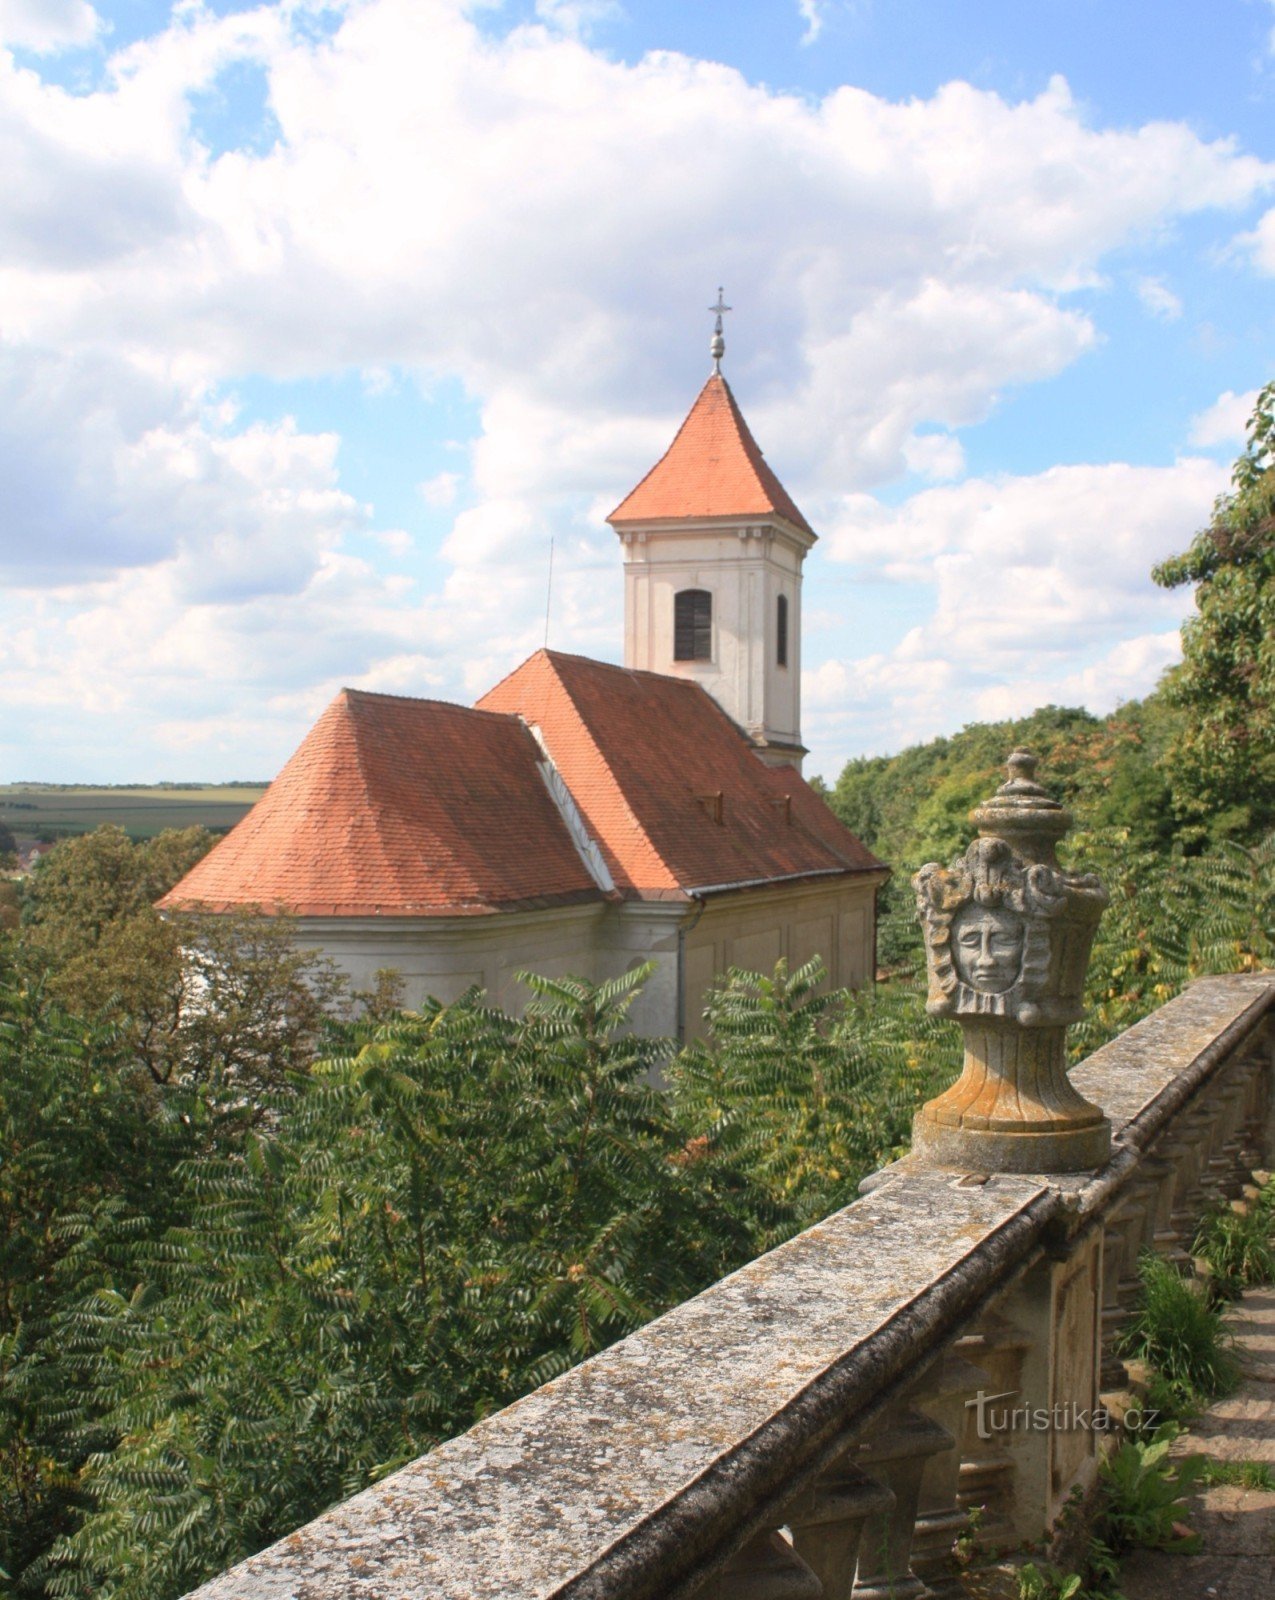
point(1179, 1332)
point(1238, 1474)
point(1236, 1244)
point(60, 811)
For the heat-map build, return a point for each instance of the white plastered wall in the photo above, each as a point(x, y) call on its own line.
point(745, 567)
point(834, 919)
point(445, 956)
point(752, 928)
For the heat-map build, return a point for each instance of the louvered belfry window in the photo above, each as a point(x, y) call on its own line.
point(781, 631)
point(693, 625)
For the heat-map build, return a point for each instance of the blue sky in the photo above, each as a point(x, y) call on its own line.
point(318, 323)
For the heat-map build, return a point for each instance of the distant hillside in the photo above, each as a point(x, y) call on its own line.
point(48, 811)
point(914, 807)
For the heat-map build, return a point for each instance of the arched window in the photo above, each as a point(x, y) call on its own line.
point(781, 631)
point(692, 625)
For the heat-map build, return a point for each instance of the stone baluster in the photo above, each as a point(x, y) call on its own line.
point(1253, 1153)
point(1239, 1165)
point(1151, 1192)
point(941, 1518)
point(828, 1520)
point(985, 1478)
point(1190, 1152)
point(896, 1452)
point(1221, 1179)
point(1121, 1242)
point(766, 1568)
point(1171, 1238)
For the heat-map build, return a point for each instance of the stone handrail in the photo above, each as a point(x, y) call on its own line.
point(807, 1426)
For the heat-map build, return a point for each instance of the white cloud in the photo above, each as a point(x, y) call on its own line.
point(812, 14)
point(1158, 298)
point(1260, 244)
point(519, 216)
point(45, 26)
point(107, 467)
point(934, 455)
point(578, 18)
point(1041, 594)
point(1225, 422)
point(441, 489)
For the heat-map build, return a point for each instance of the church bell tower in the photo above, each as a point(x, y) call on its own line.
point(713, 549)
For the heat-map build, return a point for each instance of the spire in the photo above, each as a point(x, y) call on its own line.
point(717, 349)
point(713, 468)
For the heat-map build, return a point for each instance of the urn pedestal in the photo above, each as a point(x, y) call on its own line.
point(1007, 937)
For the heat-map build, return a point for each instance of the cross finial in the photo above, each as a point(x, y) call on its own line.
point(717, 349)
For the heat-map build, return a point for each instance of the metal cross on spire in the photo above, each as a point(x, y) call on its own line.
point(717, 348)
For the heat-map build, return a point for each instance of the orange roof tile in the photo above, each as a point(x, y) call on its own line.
point(398, 807)
point(643, 756)
point(713, 468)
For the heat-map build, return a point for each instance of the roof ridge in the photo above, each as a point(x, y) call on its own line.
point(619, 666)
point(419, 700)
point(542, 650)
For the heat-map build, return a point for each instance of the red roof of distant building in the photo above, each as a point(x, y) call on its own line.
point(646, 757)
point(398, 807)
point(713, 468)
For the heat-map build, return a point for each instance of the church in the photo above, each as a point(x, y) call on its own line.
point(587, 818)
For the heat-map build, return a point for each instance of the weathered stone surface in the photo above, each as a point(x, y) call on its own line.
point(1150, 1071)
point(637, 1471)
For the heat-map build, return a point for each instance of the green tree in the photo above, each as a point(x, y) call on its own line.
point(1222, 763)
point(225, 1002)
point(90, 925)
point(456, 1207)
point(87, 1152)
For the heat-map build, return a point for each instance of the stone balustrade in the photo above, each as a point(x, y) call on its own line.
point(812, 1425)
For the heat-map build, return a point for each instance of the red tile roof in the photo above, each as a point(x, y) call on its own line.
point(645, 757)
point(713, 468)
point(398, 807)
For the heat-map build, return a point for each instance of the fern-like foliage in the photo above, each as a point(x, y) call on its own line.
point(806, 1089)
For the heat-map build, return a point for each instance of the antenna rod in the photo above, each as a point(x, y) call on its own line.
point(549, 592)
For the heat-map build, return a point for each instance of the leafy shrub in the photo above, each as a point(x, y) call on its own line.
point(1099, 1581)
point(1146, 1496)
point(807, 1089)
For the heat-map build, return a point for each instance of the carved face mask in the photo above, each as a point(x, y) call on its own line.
point(987, 947)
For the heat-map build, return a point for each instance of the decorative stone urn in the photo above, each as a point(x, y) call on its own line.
point(1007, 941)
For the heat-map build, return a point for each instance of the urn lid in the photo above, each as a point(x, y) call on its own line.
point(1020, 807)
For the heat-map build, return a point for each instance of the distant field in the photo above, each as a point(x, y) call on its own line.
point(51, 811)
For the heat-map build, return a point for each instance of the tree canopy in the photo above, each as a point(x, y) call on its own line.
point(1222, 759)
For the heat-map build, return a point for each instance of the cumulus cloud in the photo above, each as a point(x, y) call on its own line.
point(46, 26)
point(516, 214)
point(577, 17)
point(109, 467)
point(1040, 591)
point(812, 14)
point(1225, 422)
point(1158, 298)
point(1260, 244)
